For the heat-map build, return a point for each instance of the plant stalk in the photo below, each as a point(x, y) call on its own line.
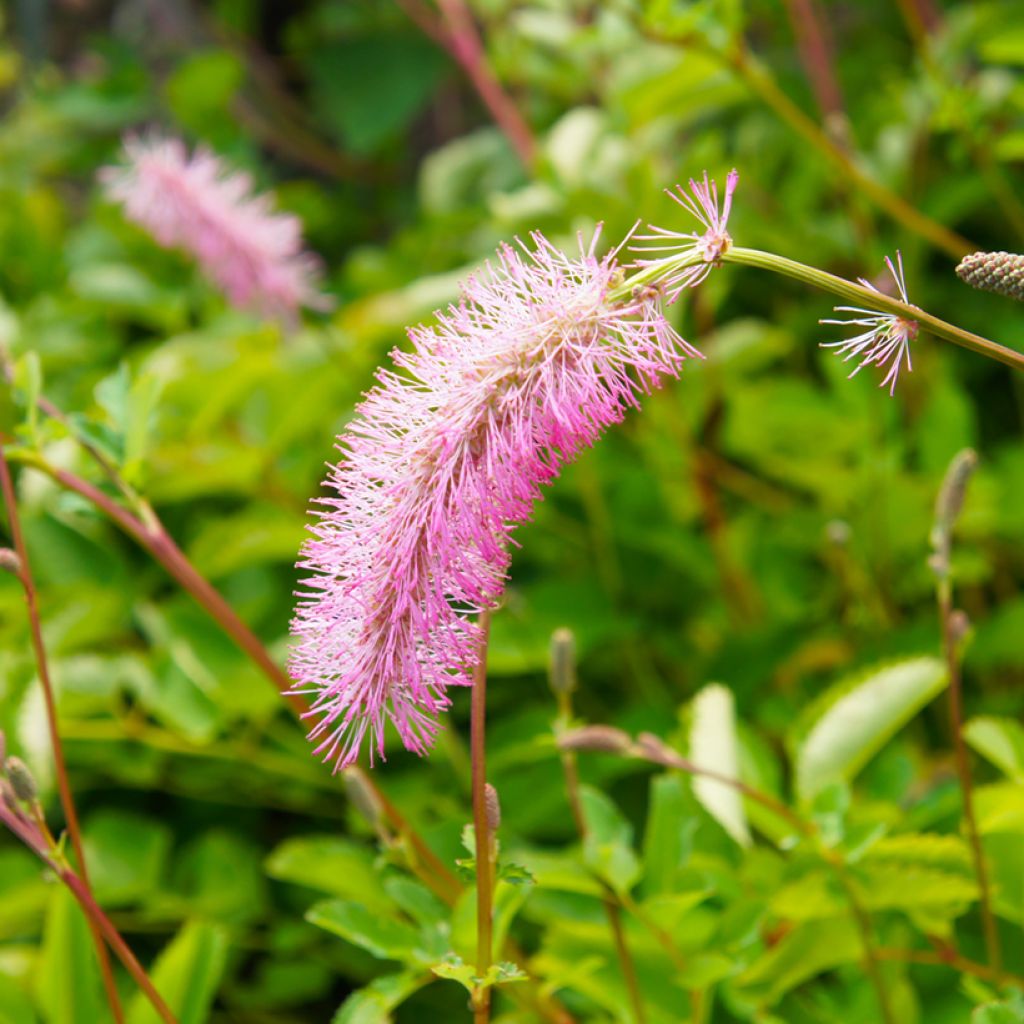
point(60, 765)
point(481, 829)
point(34, 840)
point(963, 770)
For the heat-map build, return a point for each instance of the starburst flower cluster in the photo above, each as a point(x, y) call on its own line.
point(887, 338)
point(253, 253)
point(707, 247)
point(448, 453)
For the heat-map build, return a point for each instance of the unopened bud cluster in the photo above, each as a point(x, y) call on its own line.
point(1000, 272)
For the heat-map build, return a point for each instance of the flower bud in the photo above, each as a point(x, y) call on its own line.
point(947, 507)
point(10, 562)
point(22, 781)
point(601, 738)
point(959, 626)
point(562, 669)
point(493, 806)
point(1000, 272)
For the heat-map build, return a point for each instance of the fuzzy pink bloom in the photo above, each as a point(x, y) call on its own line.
point(709, 245)
point(447, 454)
point(251, 252)
point(888, 337)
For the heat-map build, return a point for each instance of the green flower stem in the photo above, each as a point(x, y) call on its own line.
point(869, 299)
point(823, 280)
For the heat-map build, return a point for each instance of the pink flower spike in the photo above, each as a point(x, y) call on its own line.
point(887, 340)
point(447, 454)
point(251, 252)
point(709, 246)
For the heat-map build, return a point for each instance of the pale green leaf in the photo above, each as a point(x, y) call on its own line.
point(858, 717)
point(714, 747)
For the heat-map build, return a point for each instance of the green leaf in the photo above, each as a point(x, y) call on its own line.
point(608, 846)
point(333, 865)
point(808, 950)
point(187, 974)
point(856, 718)
point(382, 936)
point(374, 1003)
point(1001, 740)
point(455, 969)
point(714, 746)
point(999, 1013)
point(126, 853)
point(668, 835)
point(15, 1005)
point(67, 980)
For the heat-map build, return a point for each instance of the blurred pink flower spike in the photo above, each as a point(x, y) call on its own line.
point(253, 253)
point(447, 454)
point(888, 338)
point(701, 202)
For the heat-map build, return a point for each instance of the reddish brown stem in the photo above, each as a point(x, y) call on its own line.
point(816, 56)
point(963, 770)
point(481, 829)
point(96, 916)
point(43, 668)
point(456, 33)
point(152, 536)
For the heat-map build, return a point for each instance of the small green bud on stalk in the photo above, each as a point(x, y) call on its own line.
point(10, 562)
point(562, 672)
point(493, 807)
point(21, 779)
point(948, 504)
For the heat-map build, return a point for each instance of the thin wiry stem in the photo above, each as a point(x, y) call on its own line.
point(761, 82)
point(651, 748)
point(608, 898)
point(454, 31)
point(67, 801)
point(821, 279)
point(481, 829)
point(963, 770)
point(151, 535)
point(34, 839)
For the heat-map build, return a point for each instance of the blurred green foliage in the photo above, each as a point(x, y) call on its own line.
point(764, 523)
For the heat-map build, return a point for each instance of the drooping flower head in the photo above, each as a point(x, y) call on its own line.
point(447, 454)
point(253, 253)
point(707, 246)
point(887, 338)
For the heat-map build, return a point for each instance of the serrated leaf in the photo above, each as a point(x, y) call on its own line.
point(454, 968)
point(923, 849)
point(1001, 740)
point(714, 747)
point(857, 717)
point(187, 974)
